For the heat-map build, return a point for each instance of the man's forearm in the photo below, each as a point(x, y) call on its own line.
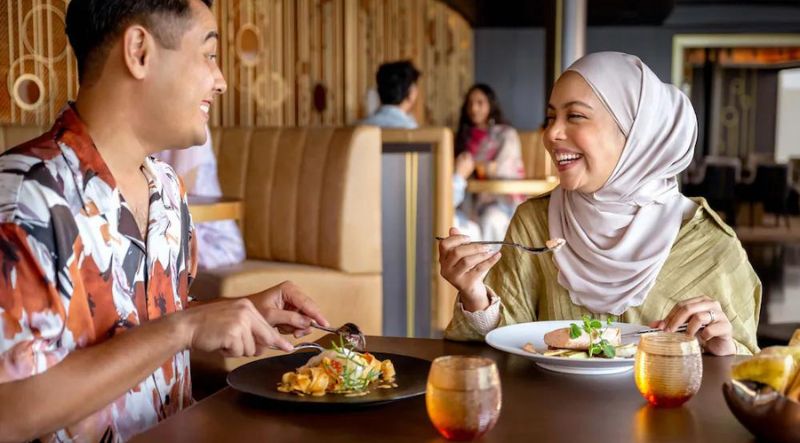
point(86, 380)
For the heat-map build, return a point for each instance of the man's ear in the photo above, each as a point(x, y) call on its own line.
point(137, 47)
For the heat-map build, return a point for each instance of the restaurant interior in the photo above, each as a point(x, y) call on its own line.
point(350, 212)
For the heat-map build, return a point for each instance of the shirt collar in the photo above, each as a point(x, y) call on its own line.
point(97, 186)
point(396, 112)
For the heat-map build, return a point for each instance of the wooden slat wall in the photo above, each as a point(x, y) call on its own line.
point(336, 44)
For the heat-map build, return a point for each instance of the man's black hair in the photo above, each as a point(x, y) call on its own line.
point(395, 80)
point(94, 25)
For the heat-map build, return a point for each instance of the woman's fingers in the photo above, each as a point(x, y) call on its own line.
point(681, 313)
point(715, 330)
point(483, 267)
point(467, 263)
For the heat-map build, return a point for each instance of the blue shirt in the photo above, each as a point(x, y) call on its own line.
point(391, 116)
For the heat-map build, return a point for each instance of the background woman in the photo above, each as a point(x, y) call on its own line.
point(485, 139)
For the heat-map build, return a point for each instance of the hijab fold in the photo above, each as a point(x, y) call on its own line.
point(619, 237)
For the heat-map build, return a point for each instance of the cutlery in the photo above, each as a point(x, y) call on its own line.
point(681, 328)
point(515, 245)
point(348, 331)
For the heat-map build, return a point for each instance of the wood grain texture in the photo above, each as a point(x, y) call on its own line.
point(273, 53)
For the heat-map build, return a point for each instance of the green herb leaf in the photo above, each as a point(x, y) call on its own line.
point(609, 350)
point(574, 331)
point(595, 324)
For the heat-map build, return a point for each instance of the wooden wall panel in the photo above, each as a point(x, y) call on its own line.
point(274, 54)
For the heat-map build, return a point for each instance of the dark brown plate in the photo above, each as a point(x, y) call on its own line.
point(261, 378)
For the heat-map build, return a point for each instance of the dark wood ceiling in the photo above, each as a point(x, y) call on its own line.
point(534, 13)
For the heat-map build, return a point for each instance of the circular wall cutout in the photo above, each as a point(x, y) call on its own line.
point(248, 45)
point(28, 92)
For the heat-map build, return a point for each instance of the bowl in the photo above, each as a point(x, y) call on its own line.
point(767, 415)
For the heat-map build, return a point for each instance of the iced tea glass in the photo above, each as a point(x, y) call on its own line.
point(668, 368)
point(463, 396)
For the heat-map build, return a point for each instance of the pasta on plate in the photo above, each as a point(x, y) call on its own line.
point(339, 370)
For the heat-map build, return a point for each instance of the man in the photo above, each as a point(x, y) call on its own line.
point(96, 241)
point(397, 88)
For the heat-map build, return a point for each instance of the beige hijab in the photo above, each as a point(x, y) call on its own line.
point(619, 237)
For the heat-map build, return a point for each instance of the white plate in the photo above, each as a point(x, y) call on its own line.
point(513, 337)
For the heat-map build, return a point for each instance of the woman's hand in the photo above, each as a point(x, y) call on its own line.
point(716, 337)
point(465, 266)
point(465, 165)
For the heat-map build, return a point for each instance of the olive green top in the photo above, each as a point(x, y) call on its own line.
point(706, 259)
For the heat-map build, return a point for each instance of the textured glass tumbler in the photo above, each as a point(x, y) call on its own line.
point(463, 396)
point(668, 368)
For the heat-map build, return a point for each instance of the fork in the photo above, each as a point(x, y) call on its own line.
point(681, 328)
point(535, 251)
point(350, 332)
point(306, 345)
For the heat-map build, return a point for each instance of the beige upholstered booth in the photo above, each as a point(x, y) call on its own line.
point(311, 199)
point(422, 162)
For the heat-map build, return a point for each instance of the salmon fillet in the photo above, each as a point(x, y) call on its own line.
point(560, 339)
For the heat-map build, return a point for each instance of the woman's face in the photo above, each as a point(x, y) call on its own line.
point(478, 107)
point(581, 136)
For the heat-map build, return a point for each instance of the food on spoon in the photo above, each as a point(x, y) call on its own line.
point(339, 370)
point(555, 243)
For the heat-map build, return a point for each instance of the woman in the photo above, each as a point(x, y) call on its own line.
point(485, 140)
point(636, 247)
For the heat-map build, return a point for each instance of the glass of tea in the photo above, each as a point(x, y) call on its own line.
point(668, 368)
point(463, 396)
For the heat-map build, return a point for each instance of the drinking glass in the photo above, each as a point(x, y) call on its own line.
point(668, 368)
point(463, 396)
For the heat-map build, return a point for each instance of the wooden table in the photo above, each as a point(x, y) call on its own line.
point(538, 405)
point(204, 209)
point(525, 187)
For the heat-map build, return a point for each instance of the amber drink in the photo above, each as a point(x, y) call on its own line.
point(463, 396)
point(668, 368)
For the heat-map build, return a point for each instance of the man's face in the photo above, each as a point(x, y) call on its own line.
point(184, 83)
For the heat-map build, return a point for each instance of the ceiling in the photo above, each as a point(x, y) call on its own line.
point(534, 13)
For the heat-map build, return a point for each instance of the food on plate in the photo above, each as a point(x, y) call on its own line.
point(339, 370)
point(776, 368)
point(562, 339)
point(589, 339)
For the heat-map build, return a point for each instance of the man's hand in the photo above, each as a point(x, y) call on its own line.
point(288, 308)
point(234, 327)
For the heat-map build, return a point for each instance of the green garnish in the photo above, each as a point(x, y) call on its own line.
point(594, 329)
point(349, 379)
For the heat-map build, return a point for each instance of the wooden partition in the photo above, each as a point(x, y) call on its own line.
point(287, 62)
point(417, 206)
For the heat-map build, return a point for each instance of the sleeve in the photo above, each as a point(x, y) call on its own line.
point(513, 284)
point(744, 308)
point(459, 189)
point(32, 316)
point(509, 158)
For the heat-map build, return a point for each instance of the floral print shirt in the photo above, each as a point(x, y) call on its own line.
point(76, 271)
